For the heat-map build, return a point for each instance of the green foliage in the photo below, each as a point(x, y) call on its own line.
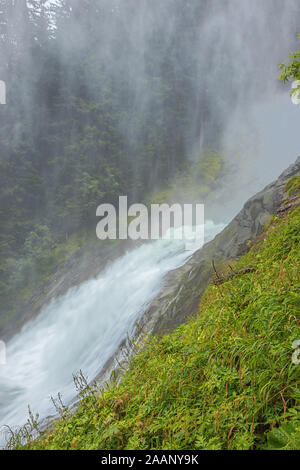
point(38, 259)
point(286, 436)
point(195, 182)
point(224, 380)
point(22, 276)
point(39, 243)
point(293, 185)
point(291, 70)
point(27, 271)
point(79, 130)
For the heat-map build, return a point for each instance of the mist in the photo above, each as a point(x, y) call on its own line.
point(224, 59)
point(106, 98)
point(203, 71)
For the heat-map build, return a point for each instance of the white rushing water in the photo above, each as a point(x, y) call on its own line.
point(83, 329)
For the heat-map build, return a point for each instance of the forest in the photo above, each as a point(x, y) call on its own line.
point(160, 101)
point(74, 134)
point(107, 99)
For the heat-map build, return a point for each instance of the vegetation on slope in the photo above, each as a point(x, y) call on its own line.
point(291, 70)
point(224, 380)
point(79, 130)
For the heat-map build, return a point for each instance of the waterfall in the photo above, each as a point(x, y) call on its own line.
point(83, 329)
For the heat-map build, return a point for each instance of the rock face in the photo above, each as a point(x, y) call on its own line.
point(184, 286)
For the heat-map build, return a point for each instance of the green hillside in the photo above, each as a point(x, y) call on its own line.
point(224, 380)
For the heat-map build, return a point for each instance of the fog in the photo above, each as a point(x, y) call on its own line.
point(116, 97)
point(228, 53)
point(200, 74)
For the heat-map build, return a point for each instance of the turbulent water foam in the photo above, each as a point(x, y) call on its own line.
point(83, 329)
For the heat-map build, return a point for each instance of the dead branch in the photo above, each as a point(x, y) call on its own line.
point(221, 279)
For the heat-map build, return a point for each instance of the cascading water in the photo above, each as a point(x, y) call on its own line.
point(222, 57)
point(83, 329)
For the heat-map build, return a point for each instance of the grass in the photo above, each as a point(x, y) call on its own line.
point(293, 185)
point(29, 278)
point(224, 380)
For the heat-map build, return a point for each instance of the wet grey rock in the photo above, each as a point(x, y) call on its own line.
point(183, 287)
